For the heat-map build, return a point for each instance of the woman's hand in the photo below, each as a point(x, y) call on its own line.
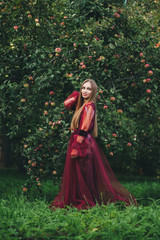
point(69, 101)
point(74, 153)
point(79, 139)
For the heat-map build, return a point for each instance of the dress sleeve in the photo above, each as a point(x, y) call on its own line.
point(79, 146)
point(71, 101)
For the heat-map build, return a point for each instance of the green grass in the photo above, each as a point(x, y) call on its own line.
point(29, 218)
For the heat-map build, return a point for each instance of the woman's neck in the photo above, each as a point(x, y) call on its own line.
point(85, 101)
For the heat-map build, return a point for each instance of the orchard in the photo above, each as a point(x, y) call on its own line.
point(48, 48)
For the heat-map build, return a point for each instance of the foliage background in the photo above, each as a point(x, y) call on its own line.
point(48, 48)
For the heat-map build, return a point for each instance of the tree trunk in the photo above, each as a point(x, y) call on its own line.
point(4, 151)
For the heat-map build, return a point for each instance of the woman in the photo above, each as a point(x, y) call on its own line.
point(87, 178)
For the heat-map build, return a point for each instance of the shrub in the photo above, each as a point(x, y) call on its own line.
point(48, 49)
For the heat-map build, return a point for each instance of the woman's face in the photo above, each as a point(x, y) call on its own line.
point(86, 90)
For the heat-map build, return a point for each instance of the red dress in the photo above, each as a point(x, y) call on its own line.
point(87, 179)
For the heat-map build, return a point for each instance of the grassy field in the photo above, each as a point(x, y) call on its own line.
point(29, 218)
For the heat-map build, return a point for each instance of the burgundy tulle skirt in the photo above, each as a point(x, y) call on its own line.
point(89, 180)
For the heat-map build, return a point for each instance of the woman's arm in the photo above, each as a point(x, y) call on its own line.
point(87, 117)
point(71, 101)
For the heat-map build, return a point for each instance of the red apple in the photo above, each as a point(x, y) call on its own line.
point(112, 99)
point(101, 91)
point(52, 104)
point(33, 164)
point(114, 135)
point(30, 78)
point(15, 27)
point(108, 145)
point(116, 15)
point(148, 79)
point(148, 91)
point(24, 189)
point(98, 97)
point(51, 93)
point(45, 113)
point(46, 104)
point(143, 61)
point(120, 111)
point(129, 144)
point(83, 66)
point(119, 10)
point(116, 56)
point(26, 85)
point(150, 73)
point(105, 107)
point(58, 50)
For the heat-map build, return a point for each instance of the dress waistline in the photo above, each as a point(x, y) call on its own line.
point(80, 132)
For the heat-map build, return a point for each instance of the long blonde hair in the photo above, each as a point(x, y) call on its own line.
point(80, 105)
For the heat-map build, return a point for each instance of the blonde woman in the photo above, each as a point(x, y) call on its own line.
point(87, 178)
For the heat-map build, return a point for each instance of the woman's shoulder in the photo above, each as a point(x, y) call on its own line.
point(92, 104)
